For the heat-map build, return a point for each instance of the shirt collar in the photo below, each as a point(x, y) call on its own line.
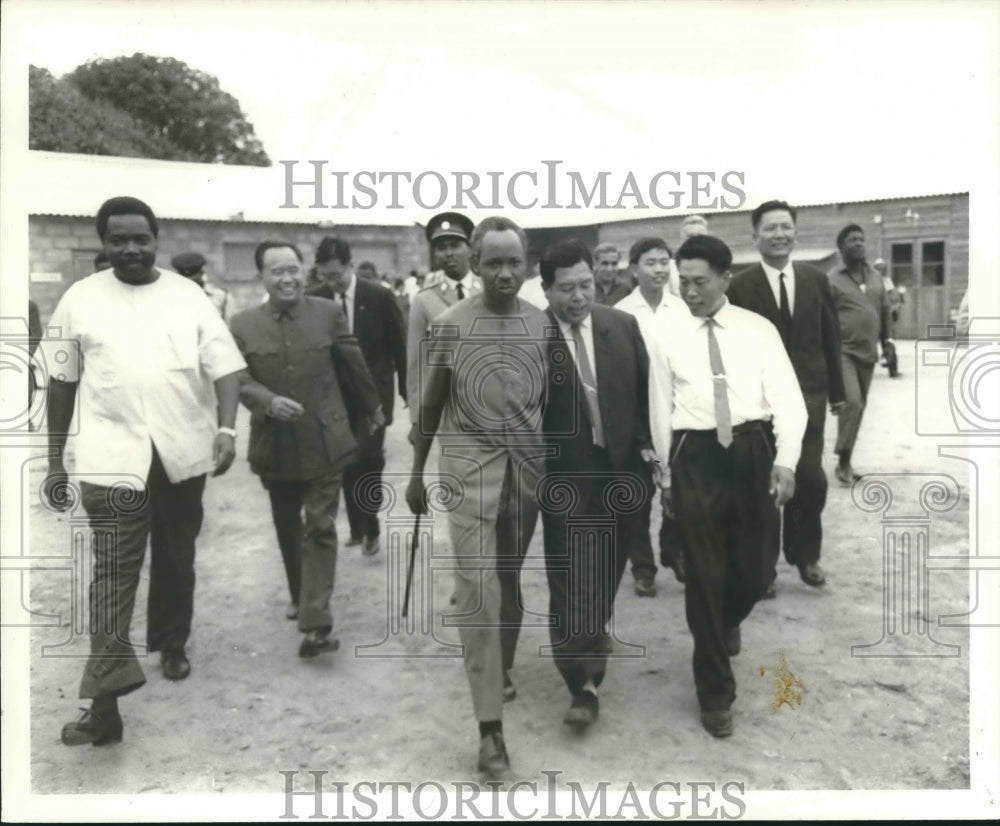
point(773, 272)
point(351, 285)
point(291, 312)
point(567, 328)
point(843, 270)
point(722, 315)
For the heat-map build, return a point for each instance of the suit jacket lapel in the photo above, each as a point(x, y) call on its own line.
point(801, 296)
point(603, 368)
point(765, 296)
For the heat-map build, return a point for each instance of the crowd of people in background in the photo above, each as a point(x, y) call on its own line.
point(568, 390)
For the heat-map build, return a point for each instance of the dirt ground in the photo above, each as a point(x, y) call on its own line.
point(395, 704)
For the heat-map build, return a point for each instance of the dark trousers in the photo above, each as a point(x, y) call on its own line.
point(170, 515)
point(671, 547)
point(363, 499)
point(177, 516)
point(803, 528)
point(584, 567)
point(857, 380)
point(729, 526)
point(638, 545)
point(309, 548)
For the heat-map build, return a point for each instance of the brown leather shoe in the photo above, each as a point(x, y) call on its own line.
point(718, 723)
point(493, 757)
point(812, 575)
point(93, 728)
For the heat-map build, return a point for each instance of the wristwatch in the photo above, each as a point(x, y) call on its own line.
point(229, 431)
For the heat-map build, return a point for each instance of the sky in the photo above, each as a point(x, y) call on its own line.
point(814, 102)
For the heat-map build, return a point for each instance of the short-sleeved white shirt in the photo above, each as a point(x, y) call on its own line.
point(145, 358)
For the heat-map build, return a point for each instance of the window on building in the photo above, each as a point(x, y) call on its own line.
point(932, 264)
point(901, 265)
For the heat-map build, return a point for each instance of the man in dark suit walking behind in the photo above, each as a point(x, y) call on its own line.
point(796, 299)
point(374, 318)
point(304, 371)
point(596, 425)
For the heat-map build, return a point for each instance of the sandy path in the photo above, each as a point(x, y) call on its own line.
point(251, 707)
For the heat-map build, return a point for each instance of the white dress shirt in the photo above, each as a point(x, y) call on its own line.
point(145, 358)
point(647, 317)
point(674, 279)
point(773, 279)
point(760, 381)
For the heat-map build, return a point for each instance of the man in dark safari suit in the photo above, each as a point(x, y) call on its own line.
point(303, 371)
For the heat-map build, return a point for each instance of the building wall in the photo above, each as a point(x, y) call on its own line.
point(62, 249)
point(902, 220)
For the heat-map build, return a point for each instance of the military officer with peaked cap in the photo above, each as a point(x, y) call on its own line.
point(448, 233)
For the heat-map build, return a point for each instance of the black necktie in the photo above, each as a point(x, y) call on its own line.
point(343, 303)
point(459, 290)
point(784, 310)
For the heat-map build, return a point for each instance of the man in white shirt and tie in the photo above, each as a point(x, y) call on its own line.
point(653, 306)
point(726, 409)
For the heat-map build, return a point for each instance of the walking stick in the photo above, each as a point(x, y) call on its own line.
point(409, 567)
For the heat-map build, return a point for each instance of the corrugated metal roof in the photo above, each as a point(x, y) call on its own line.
point(63, 183)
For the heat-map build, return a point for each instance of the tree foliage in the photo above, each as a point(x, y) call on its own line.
point(61, 119)
point(141, 106)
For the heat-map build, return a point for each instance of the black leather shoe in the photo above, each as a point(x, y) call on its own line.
point(175, 664)
point(584, 710)
point(493, 757)
point(734, 641)
point(314, 643)
point(645, 587)
point(292, 611)
point(718, 723)
point(354, 540)
point(772, 590)
point(812, 575)
point(372, 546)
point(93, 728)
point(509, 692)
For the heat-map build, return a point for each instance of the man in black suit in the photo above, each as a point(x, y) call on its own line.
point(596, 427)
point(376, 322)
point(796, 298)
